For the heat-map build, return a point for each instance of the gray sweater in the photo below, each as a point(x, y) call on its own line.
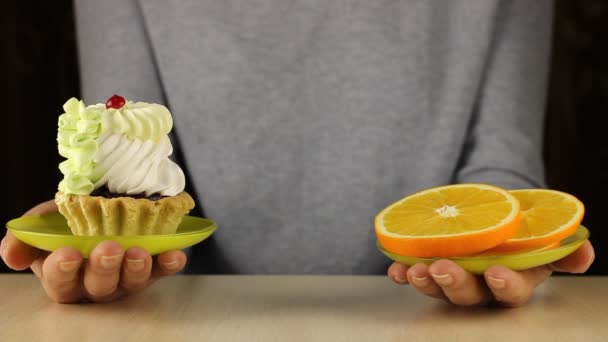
point(299, 120)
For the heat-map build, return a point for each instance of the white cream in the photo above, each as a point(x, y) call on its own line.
point(134, 166)
point(137, 120)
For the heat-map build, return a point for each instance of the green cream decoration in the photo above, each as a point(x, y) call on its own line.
point(137, 120)
point(79, 128)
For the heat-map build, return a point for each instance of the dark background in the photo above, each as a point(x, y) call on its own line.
point(40, 72)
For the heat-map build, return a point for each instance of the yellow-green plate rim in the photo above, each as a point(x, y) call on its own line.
point(515, 261)
point(36, 230)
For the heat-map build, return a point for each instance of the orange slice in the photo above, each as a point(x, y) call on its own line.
point(496, 251)
point(548, 216)
point(453, 220)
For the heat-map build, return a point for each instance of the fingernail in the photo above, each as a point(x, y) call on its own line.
point(400, 280)
point(443, 279)
point(135, 265)
point(69, 266)
point(420, 281)
point(110, 262)
point(172, 265)
point(589, 263)
point(2, 249)
point(555, 268)
point(496, 283)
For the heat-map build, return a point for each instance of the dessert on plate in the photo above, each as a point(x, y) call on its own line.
point(118, 178)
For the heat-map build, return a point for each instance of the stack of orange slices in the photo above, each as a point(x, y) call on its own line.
point(470, 219)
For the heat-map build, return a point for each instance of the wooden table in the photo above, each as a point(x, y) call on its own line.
point(301, 308)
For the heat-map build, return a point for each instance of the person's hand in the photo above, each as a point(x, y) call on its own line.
point(108, 274)
point(445, 280)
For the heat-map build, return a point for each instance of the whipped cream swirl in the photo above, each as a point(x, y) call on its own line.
point(136, 120)
point(126, 149)
point(133, 166)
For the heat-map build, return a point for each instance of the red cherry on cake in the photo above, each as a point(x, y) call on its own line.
point(116, 102)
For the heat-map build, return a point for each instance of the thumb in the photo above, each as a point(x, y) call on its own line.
point(577, 262)
point(16, 254)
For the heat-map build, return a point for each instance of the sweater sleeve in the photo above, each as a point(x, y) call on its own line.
point(114, 52)
point(504, 143)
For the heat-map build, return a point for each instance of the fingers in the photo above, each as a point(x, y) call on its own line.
point(169, 263)
point(577, 262)
point(136, 269)
point(36, 266)
point(420, 278)
point(60, 275)
point(417, 276)
point(514, 289)
point(445, 279)
point(102, 271)
point(398, 273)
point(458, 285)
point(16, 254)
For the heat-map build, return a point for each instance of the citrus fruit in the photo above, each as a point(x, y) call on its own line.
point(452, 220)
point(496, 251)
point(548, 216)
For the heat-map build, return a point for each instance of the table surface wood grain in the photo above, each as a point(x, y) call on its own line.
point(301, 308)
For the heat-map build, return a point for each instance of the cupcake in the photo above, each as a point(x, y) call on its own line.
point(118, 178)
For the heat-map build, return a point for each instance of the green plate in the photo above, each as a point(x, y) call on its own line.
point(50, 232)
point(515, 261)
